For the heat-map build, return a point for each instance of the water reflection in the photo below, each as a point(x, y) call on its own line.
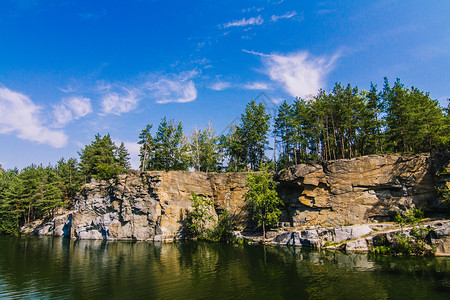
point(58, 268)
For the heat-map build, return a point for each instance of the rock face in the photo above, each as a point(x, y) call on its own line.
point(153, 205)
point(359, 190)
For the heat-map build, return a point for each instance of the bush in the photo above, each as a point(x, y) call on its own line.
point(403, 244)
point(223, 232)
point(407, 245)
point(412, 216)
point(198, 218)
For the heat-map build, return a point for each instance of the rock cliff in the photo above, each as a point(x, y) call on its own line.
point(359, 190)
point(153, 205)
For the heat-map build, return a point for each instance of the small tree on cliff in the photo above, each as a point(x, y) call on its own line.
point(262, 198)
point(199, 216)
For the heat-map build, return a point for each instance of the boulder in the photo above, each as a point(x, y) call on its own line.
point(357, 245)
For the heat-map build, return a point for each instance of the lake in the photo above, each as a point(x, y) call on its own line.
point(59, 268)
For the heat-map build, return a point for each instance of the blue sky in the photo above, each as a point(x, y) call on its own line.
point(71, 69)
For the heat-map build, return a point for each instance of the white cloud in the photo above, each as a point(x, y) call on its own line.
point(220, 86)
point(256, 86)
point(103, 85)
point(71, 108)
point(62, 115)
point(175, 88)
point(244, 22)
point(20, 116)
point(287, 15)
point(67, 90)
point(299, 73)
point(117, 104)
point(80, 106)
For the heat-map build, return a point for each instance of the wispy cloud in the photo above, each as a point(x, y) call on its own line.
point(287, 15)
point(67, 90)
point(71, 108)
point(253, 8)
point(119, 98)
point(244, 22)
point(256, 86)
point(120, 102)
point(172, 88)
point(223, 85)
point(20, 116)
point(220, 86)
point(300, 73)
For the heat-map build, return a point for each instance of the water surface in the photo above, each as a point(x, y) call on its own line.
point(59, 268)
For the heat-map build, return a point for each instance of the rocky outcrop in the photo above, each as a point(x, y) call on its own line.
point(433, 236)
point(153, 205)
point(147, 205)
point(359, 190)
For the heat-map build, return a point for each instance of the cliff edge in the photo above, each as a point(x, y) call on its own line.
point(153, 205)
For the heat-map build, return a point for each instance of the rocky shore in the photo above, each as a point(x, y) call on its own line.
point(330, 204)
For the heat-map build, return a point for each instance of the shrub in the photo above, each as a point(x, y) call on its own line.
point(199, 216)
point(223, 231)
point(412, 216)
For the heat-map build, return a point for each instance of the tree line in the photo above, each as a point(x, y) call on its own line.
point(38, 191)
point(343, 123)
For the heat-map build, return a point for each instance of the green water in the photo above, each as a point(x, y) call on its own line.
point(57, 268)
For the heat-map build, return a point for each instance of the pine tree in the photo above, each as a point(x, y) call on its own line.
point(123, 158)
point(236, 149)
point(253, 133)
point(71, 177)
point(146, 142)
point(100, 159)
point(170, 148)
point(10, 208)
point(284, 129)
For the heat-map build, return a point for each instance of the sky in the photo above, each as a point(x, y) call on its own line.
point(72, 69)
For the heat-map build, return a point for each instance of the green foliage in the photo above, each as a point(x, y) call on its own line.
point(408, 245)
point(168, 150)
point(10, 187)
point(223, 231)
point(205, 150)
point(198, 217)
point(262, 198)
point(404, 244)
point(71, 177)
point(346, 122)
point(413, 120)
point(444, 193)
point(102, 159)
point(200, 222)
point(146, 142)
point(412, 216)
point(246, 143)
point(35, 192)
point(413, 243)
point(381, 250)
point(235, 150)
